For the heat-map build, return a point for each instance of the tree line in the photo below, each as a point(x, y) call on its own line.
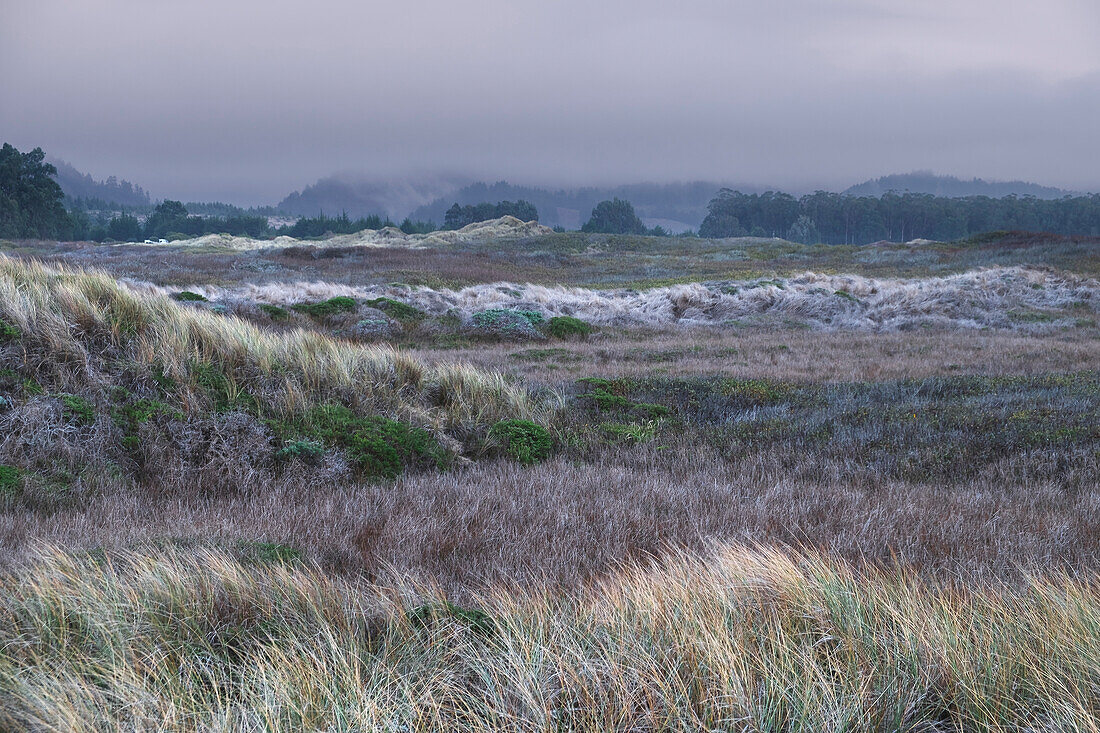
point(833, 218)
point(460, 216)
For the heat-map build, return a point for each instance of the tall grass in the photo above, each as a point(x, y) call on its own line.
point(744, 640)
point(82, 330)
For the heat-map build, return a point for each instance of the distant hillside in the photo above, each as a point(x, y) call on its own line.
point(360, 197)
point(81, 185)
point(949, 186)
point(675, 206)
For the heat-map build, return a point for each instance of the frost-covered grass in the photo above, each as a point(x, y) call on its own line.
point(1010, 298)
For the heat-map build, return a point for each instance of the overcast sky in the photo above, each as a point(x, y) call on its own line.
point(245, 101)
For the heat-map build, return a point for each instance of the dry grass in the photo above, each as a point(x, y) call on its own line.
point(82, 329)
point(745, 640)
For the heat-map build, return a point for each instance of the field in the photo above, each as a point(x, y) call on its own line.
point(551, 482)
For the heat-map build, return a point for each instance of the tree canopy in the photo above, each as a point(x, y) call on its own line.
point(614, 217)
point(31, 201)
point(460, 216)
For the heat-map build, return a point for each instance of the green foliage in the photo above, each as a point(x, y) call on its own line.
point(11, 481)
point(497, 316)
point(375, 446)
point(612, 394)
point(186, 296)
point(523, 440)
point(274, 312)
point(326, 308)
point(614, 217)
point(478, 621)
point(1030, 316)
point(129, 415)
point(460, 216)
point(564, 327)
point(222, 390)
point(846, 295)
point(31, 201)
point(77, 408)
point(269, 552)
point(8, 332)
point(631, 432)
point(756, 391)
point(307, 451)
point(397, 309)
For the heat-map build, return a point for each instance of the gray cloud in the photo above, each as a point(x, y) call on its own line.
point(247, 100)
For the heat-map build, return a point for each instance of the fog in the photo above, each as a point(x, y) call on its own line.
point(245, 101)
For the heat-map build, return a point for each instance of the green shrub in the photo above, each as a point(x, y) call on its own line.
point(77, 408)
point(269, 552)
point(568, 327)
point(497, 316)
point(330, 307)
point(11, 480)
point(477, 620)
point(307, 451)
point(523, 440)
point(132, 413)
point(274, 312)
point(8, 332)
point(375, 446)
point(397, 309)
point(222, 391)
point(186, 296)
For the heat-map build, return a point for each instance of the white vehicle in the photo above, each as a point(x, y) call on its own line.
point(148, 241)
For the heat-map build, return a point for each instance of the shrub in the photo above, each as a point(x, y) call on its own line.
point(477, 620)
point(274, 312)
point(8, 332)
point(11, 479)
point(563, 327)
point(131, 414)
point(523, 440)
point(307, 451)
point(77, 408)
point(269, 552)
point(325, 308)
point(508, 323)
point(186, 296)
point(495, 315)
point(375, 446)
point(397, 309)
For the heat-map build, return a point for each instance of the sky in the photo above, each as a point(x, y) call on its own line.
point(247, 100)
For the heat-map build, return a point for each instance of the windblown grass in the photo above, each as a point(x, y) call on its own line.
point(81, 329)
point(745, 640)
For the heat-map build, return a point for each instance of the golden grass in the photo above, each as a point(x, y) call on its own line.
point(80, 328)
point(746, 640)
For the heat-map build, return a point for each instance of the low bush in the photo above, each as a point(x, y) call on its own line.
point(564, 327)
point(397, 309)
point(375, 446)
point(307, 451)
point(326, 308)
point(186, 296)
point(275, 312)
point(8, 332)
point(523, 440)
point(78, 409)
point(11, 480)
point(423, 617)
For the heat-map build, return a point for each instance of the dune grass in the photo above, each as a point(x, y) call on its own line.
point(81, 331)
point(742, 640)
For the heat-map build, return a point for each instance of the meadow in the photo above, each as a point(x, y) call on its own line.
point(552, 482)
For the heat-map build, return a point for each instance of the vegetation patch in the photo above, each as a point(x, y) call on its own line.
point(8, 332)
point(564, 327)
point(523, 440)
point(186, 296)
point(11, 481)
point(269, 552)
point(133, 413)
point(326, 308)
point(429, 614)
point(77, 409)
point(307, 451)
point(275, 312)
point(375, 446)
point(221, 388)
point(396, 309)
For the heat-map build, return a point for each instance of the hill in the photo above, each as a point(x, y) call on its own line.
point(950, 186)
point(675, 206)
point(361, 197)
point(77, 185)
